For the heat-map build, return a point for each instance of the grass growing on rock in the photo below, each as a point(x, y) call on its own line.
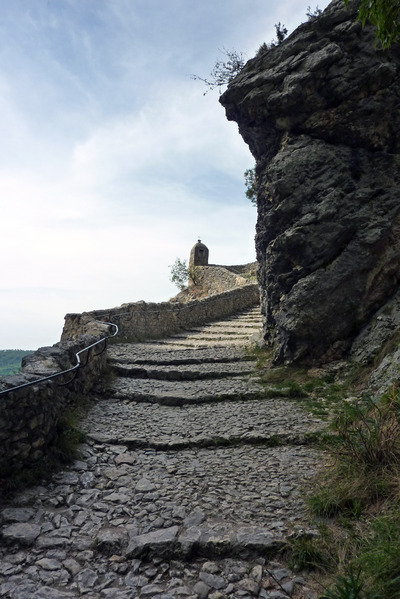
point(355, 500)
point(316, 389)
point(66, 446)
point(357, 505)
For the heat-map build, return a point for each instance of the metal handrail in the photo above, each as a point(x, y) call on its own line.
point(77, 365)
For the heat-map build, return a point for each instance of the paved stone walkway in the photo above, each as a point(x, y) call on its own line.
point(187, 487)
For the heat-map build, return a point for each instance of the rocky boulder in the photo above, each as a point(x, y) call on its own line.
point(321, 115)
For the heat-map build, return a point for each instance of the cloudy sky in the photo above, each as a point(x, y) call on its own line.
point(112, 161)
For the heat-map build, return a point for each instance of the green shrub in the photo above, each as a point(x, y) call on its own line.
point(66, 445)
point(181, 274)
point(363, 481)
point(379, 557)
point(308, 553)
point(370, 432)
point(348, 587)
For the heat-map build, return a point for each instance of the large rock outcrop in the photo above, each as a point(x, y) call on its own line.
point(321, 115)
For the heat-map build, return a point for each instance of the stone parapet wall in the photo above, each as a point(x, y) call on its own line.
point(141, 320)
point(29, 415)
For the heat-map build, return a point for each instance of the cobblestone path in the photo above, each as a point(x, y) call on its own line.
point(187, 487)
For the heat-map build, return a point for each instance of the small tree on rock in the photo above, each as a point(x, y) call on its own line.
point(281, 32)
point(181, 274)
point(313, 14)
point(251, 183)
point(224, 70)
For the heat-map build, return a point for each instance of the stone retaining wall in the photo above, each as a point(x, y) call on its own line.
point(28, 416)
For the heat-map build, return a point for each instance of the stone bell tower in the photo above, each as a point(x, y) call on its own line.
point(199, 255)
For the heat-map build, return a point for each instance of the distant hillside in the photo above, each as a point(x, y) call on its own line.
point(10, 360)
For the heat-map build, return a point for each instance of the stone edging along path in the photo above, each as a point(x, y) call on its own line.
point(188, 483)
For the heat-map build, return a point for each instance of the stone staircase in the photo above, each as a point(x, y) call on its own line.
point(190, 480)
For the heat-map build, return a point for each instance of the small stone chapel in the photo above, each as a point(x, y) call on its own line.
point(198, 255)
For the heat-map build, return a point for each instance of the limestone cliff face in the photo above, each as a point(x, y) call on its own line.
point(321, 115)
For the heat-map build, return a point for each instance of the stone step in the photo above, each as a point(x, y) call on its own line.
point(115, 514)
point(185, 371)
point(179, 393)
point(186, 461)
point(134, 424)
point(202, 342)
point(248, 323)
point(157, 353)
point(246, 319)
point(213, 342)
point(238, 486)
point(211, 540)
point(216, 332)
point(212, 338)
point(250, 320)
point(233, 325)
point(223, 330)
point(225, 502)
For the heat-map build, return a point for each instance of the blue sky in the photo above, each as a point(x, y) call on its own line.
point(112, 161)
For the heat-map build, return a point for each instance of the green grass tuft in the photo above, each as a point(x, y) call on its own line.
point(348, 587)
point(379, 557)
point(307, 553)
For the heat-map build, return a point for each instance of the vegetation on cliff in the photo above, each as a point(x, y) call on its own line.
point(385, 15)
point(354, 501)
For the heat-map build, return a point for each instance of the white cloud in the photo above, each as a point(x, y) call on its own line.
point(175, 131)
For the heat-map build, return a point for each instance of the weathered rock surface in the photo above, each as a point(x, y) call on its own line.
point(320, 113)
